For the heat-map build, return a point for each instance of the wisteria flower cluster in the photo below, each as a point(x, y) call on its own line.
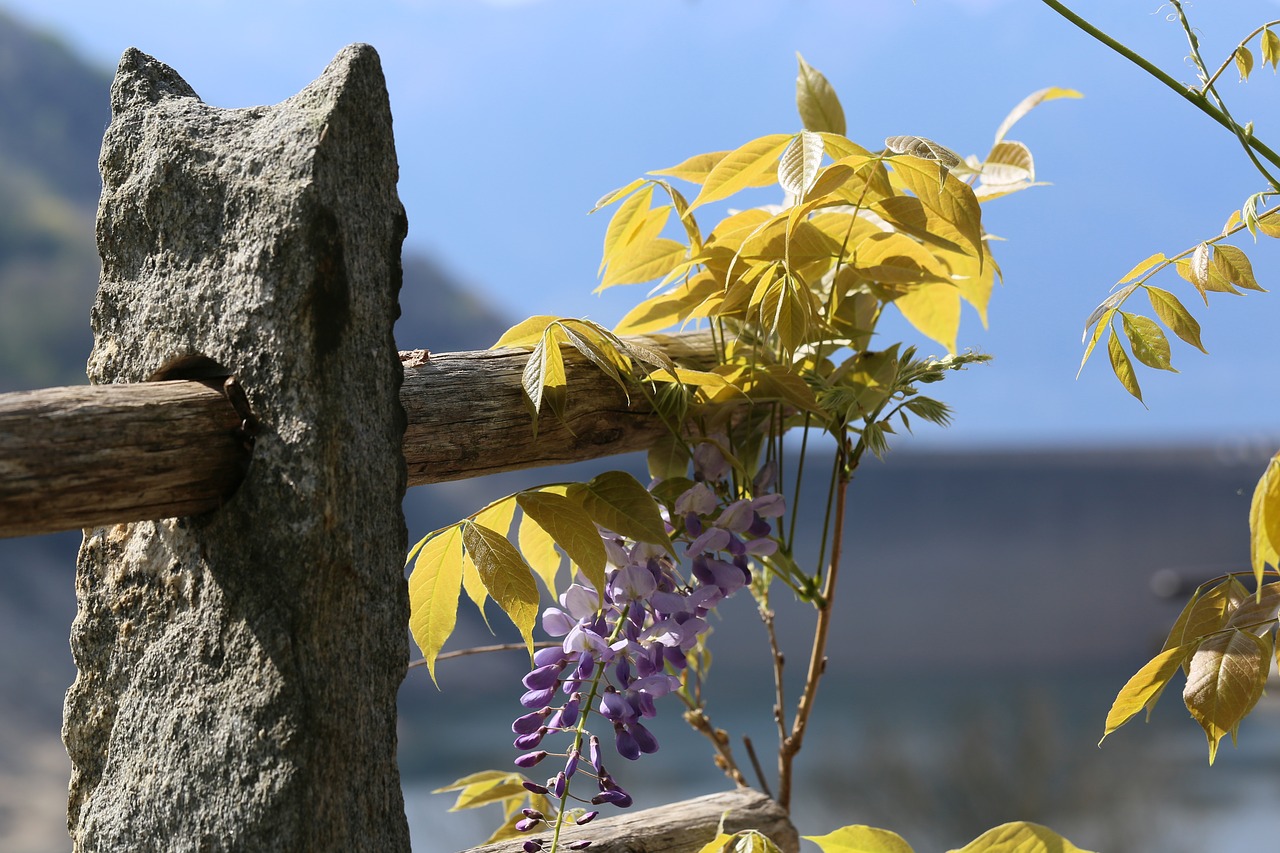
point(623, 647)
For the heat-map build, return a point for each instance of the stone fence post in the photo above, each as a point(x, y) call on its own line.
point(238, 669)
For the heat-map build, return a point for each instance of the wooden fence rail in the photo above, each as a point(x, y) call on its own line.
point(90, 456)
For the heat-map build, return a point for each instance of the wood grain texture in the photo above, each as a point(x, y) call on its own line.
point(467, 416)
point(90, 456)
point(94, 455)
point(683, 827)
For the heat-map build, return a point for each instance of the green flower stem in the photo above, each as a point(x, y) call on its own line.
point(581, 729)
point(1195, 97)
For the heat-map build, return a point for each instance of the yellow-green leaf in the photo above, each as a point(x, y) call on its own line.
point(526, 333)
point(539, 551)
point(1174, 315)
point(1103, 325)
point(1258, 612)
point(668, 458)
point(860, 839)
point(1206, 613)
point(620, 193)
point(799, 164)
point(741, 167)
point(1234, 266)
point(668, 309)
point(1150, 346)
point(1244, 62)
point(1225, 680)
point(1146, 685)
point(506, 576)
point(923, 148)
point(1157, 258)
point(717, 844)
point(433, 593)
point(543, 379)
point(950, 199)
point(642, 262)
point(617, 502)
point(1264, 520)
point(1270, 49)
point(696, 169)
point(632, 222)
point(492, 777)
point(1029, 103)
point(1020, 837)
point(816, 101)
point(571, 528)
point(934, 309)
point(1008, 163)
point(1122, 367)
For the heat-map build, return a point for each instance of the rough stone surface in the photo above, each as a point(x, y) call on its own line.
point(238, 670)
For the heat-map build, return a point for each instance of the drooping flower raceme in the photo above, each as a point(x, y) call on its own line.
point(623, 647)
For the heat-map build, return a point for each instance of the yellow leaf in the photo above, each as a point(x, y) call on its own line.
point(633, 221)
point(1234, 266)
point(1174, 315)
point(923, 148)
point(506, 576)
point(934, 309)
point(641, 262)
point(1149, 344)
point(1264, 520)
point(799, 164)
point(618, 503)
point(741, 168)
point(433, 593)
point(1141, 691)
point(495, 516)
point(491, 776)
point(1227, 675)
point(1157, 258)
point(544, 379)
point(620, 193)
point(892, 258)
point(696, 169)
point(1008, 163)
point(860, 839)
point(539, 551)
point(1270, 49)
point(1020, 837)
point(816, 101)
point(1244, 62)
point(1104, 325)
point(1122, 367)
point(696, 378)
point(1029, 103)
point(526, 333)
point(571, 528)
point(668, 309)
point(717, 844)
point(950, 199)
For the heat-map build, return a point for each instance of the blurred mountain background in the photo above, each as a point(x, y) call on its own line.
point(984, 588)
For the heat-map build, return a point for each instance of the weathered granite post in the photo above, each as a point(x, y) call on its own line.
point(238, 669)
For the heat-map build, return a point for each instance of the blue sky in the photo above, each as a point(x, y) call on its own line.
point(514, 116)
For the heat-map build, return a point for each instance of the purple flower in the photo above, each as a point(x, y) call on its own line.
point(528, 723)
point(632, 583)
point(556, 785)
point(580, 639)
point(770, 506)
point(712, 539)
point(625, 743)
point(531, 759)
point(543, 677)
point(531, 740)
point(582, 820)
point(532, 846)
point(709, 463)
point(593, 755)
point(538, 698)
point(699, 500)
point(526, 824)
point(737, 516)
point(644, 738)
point(579, 845)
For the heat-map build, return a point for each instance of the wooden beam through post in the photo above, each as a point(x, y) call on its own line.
point(97, 455)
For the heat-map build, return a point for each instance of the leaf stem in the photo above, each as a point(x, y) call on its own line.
point(1195, 97)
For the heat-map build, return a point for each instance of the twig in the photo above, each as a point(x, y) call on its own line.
point(476, 650)
point(1194, 96)
point(818, 654)
point(755, 762)
point(698, 720)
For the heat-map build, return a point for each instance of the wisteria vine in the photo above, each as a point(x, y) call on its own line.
point(625, 647)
